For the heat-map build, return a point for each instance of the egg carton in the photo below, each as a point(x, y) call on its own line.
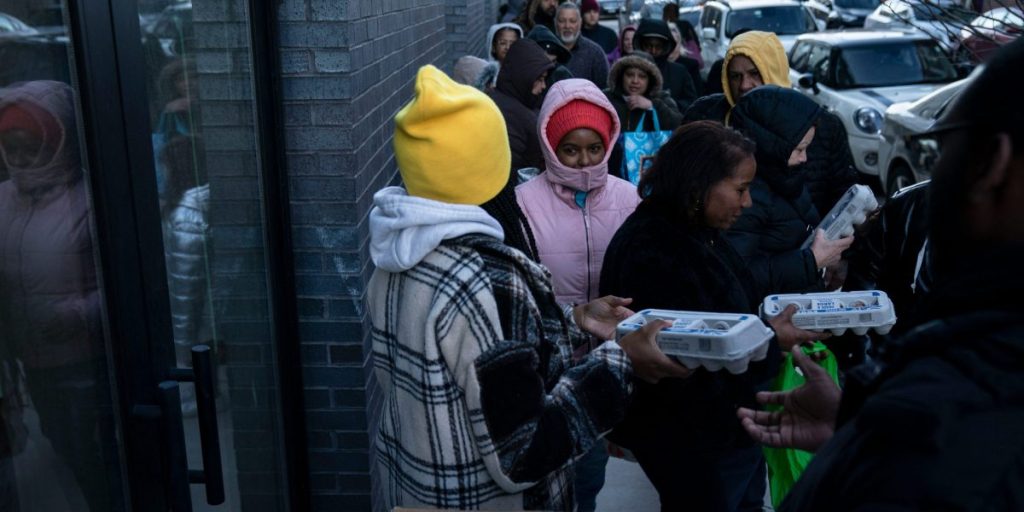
point(836, 311)
point(851, 210)
point(711, 340)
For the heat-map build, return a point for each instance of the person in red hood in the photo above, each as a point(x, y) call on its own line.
point(50, 316)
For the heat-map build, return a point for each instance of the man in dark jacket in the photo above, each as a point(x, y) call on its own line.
point(538, 13)
point(588, 60)
point(518, 94)
point(605, 37)
point(937, 425)
point(654, 37)
point(757, 58)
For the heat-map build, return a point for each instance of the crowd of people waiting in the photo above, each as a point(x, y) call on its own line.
point(516, 245)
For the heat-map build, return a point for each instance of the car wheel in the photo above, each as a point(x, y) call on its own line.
point(900, 176)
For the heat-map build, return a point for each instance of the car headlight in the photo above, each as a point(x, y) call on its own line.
point(849, 18)
point(868, 120)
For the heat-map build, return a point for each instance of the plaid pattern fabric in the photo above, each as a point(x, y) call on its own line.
point(483, 406)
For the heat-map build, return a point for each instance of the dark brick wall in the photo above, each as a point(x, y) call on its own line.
point(348, 68)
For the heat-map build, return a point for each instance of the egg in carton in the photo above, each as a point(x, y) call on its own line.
point(836, 311)
point(851, 210)
point(711, 340)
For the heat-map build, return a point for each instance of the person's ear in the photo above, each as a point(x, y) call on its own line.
point(994, 171)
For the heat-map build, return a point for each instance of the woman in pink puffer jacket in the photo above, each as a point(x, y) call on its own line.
point(575, 207)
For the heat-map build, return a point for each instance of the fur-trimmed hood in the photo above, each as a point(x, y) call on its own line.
point(635, 60)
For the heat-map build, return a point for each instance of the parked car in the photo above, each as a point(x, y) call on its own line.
point(987, 33)
point(851, 13)
point(13, 27)
point(692, 14)
point(857, 74)
point(940, 19)
point(906, 160)
point(721, 19)
point(610, 8)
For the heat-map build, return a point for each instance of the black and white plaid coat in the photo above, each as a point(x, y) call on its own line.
point(483, 406)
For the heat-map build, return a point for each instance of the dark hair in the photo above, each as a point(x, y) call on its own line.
point(699, 155)
point(182, 158)
point(670, 13)
point(505, 209)
point(687, 31)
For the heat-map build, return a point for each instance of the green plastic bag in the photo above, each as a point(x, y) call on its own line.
point(785, 464)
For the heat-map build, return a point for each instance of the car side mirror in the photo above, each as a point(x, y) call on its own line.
point(708, 33)
point(807, 81)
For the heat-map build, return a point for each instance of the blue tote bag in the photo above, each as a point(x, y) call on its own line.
point(640, 147)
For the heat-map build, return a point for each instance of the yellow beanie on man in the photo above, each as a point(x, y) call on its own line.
point(451, 143)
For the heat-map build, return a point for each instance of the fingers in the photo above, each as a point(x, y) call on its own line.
point(614, 301)
point(808, 366)
point(771, 397)
point(761, 434)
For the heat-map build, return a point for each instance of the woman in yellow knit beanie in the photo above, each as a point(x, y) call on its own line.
point(483, 406)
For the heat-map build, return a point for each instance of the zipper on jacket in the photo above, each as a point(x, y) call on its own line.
point(586, 234)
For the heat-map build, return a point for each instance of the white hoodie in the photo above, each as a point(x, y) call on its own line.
point(405, 229)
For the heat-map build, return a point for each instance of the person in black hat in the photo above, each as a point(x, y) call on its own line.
point(655, 38)
point(937, 424)
point(557, 52)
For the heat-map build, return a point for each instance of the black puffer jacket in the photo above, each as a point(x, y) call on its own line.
point(939, 426)
point(668, 114)
point(524, 64)
point(829, 170)
point(770, 232)
point(661, 263)
point(677, 79)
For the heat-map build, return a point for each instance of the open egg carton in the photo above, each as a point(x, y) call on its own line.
point(711, 340)
point(851, 210)
point(836, 311)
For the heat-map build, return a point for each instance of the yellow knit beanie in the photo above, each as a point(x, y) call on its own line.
point(451, 143)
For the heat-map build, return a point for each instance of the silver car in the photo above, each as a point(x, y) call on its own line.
point(905, 159)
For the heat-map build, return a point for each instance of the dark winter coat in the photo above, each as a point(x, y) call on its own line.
point(677, 79)
point(525, 62)
point(668, 114)
point(891, 256)
point(829, 170)
point(939, 426)
point(605, 37)
point(589, 62)
point(661, 263)
point(769, 233)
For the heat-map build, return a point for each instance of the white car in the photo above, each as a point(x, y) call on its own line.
point(942, 20)
point(905, 160)
point(857, 74)
point(721, 19)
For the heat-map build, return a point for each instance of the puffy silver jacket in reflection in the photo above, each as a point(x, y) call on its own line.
point(187, 252)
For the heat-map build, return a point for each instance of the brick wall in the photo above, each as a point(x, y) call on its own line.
point(348, 68)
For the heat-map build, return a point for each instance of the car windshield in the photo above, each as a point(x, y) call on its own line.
point(940, 12)
point(857, 4)
point(782, 20)
point(882, 65)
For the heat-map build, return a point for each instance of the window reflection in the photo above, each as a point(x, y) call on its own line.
point(58, 448)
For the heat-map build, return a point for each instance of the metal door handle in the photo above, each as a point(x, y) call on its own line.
point(202, 375)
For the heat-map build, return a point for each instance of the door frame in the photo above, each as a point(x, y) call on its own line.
point(109, 71)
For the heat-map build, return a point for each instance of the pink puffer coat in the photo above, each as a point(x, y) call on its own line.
point(572, 240)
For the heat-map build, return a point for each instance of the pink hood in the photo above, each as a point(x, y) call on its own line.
point(564, 91)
